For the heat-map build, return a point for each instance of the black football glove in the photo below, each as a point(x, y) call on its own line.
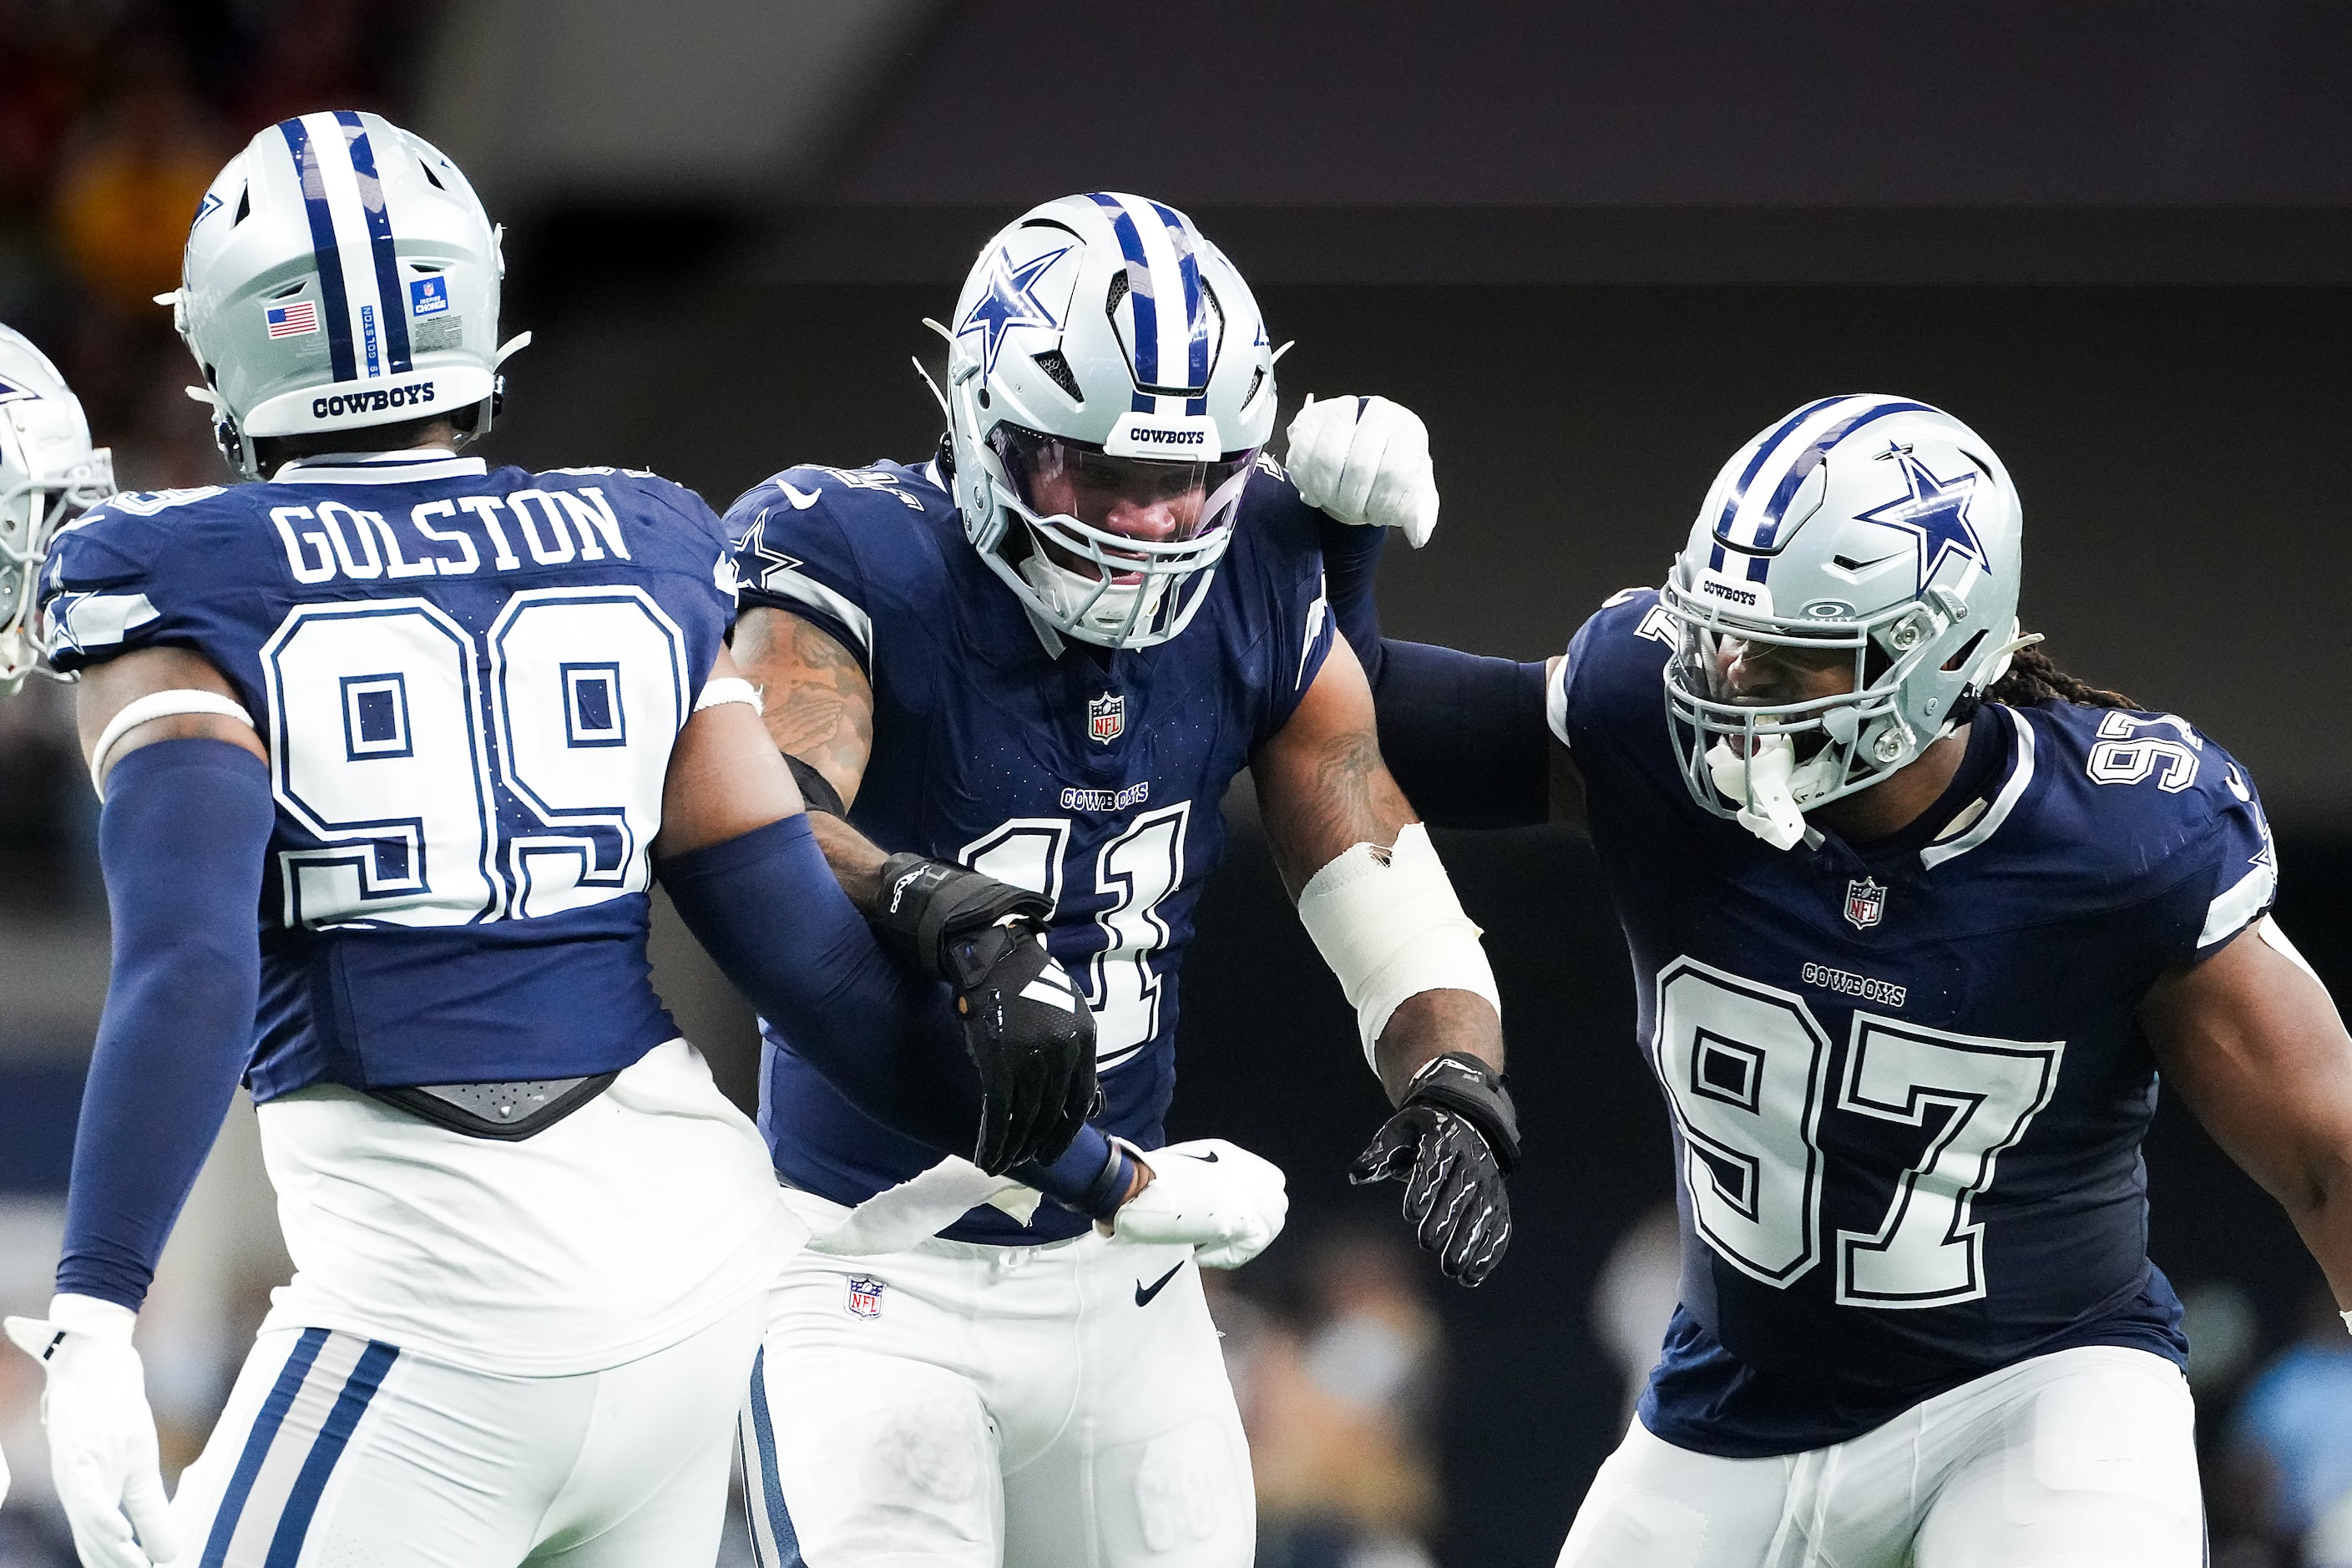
point(1029, 1034)
point(1451, 1142)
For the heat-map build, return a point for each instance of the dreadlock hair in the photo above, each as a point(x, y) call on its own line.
point(2032, 679)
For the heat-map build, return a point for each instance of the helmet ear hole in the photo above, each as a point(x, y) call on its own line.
point(1959, 661)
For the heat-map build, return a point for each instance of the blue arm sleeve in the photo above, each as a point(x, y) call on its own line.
point(1463, 735)
point(184, 839)
point(766, 908)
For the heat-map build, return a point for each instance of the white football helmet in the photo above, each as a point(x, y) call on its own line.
point(1873, 529)
point(1109, 384)
point(340, 273)
point(48, 471)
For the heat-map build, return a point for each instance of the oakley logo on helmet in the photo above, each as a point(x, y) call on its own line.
point(389, 397)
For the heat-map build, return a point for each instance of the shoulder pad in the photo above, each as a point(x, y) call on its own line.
point(2146, 799)
point(845, 491)
point(2158, 765)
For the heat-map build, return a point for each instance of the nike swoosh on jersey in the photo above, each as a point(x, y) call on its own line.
point(801, 499)
point(1208, 1159)
point(1143, 1294)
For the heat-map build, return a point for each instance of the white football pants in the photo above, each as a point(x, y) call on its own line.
point(341, 1452)
point(966, 1406)
point(2085, 1459)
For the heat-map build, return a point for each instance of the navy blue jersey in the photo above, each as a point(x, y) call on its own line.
point(1090, 777)
point(469, 683)
point(1908, 1078)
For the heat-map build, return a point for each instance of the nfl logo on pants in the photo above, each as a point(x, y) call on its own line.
point(864, 1298)
point(1865, 904)
point(1107, 717)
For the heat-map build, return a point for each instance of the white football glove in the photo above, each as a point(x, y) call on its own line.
point(101, 1434)
point(1225, 1202)
point(1365, 460)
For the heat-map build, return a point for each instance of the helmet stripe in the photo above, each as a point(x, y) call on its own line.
point(1196, 319)
point(1138, 297)
point(1764, 451)
point(1776, 508)
point(335, 306)
point(390, 305)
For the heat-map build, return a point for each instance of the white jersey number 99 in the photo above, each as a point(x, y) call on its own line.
point(387, 747)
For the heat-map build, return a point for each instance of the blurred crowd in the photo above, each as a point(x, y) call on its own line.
point(115, 117)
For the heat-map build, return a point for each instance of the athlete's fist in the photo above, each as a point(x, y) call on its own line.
point(1451, 1142)
point(1033, 1038)
point(1365, 460)
point(101, 1435)
point(1220, 1199)
point(1026, 1030)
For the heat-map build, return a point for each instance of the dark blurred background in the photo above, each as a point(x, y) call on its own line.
point(1596, 246)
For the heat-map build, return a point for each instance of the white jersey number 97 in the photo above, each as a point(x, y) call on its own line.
point(1746, 1068)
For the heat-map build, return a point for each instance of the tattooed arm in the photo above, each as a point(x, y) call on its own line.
point(1321, 789)
point(820, 708)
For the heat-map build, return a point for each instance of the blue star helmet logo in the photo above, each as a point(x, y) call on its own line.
point(1010, 301)
point(10, 393)
point(1935, 509)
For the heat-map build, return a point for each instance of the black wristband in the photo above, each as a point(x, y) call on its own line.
point(925, 903)
point(817, 791)
point(1107, 1190)
point(1460, 1082)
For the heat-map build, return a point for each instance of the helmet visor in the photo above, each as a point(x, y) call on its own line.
point(1144, 501)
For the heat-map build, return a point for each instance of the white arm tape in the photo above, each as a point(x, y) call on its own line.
point(1390, 927)
point(729, 688)
point(157, 705)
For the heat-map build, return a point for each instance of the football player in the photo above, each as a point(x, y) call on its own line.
point(1917, 918)
point(1021, 673)
point(438, 727)
point(49, 471)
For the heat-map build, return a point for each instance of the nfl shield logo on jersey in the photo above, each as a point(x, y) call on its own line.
point(1865, 904)
point(865, 1296)
point(1107, 717)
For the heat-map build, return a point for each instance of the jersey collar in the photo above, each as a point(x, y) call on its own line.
point(2004, 800)
point(403, 468)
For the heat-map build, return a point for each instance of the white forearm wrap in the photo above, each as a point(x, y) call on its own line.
point(1390, 927)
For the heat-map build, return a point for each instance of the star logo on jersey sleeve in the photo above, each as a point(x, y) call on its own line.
point(772, 564)
point(1935, 510)
point(1010, 300)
